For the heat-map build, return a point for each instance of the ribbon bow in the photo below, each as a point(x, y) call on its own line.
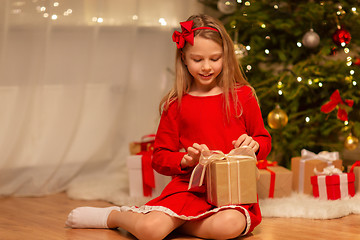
point(328, 171)
point(206, 157)
point(323, 156)
point(336, 100)
point(187, 33)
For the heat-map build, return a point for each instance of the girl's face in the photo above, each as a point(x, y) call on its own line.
point(204, 61)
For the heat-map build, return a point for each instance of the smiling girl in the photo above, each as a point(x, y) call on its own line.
point(211, 106)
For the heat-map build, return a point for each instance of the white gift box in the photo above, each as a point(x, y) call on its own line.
point(136, 180)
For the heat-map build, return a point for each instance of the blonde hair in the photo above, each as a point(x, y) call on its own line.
point(229, 79)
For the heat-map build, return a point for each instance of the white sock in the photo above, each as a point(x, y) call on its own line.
point(89, 217)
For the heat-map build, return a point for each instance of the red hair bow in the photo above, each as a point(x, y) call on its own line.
point(335, 100)
point(187, 33)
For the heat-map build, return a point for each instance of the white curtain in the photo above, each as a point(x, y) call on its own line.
point(79, 80)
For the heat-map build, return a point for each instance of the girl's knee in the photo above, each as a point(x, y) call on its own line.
point(153, 228)
point(150, 229)
point(231, 224)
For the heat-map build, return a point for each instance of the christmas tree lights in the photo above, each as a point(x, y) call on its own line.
point(301, 52)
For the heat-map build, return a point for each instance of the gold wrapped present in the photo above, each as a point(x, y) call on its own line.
point(303, 168)
point(274, 182)
point(230, 178)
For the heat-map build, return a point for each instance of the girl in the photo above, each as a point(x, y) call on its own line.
point(211, 106)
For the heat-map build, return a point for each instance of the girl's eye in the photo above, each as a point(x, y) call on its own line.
point(197, 60)
point(215, 59)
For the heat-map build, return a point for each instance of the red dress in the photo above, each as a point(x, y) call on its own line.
point(202, 119)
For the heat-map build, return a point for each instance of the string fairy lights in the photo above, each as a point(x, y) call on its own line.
point(53, 11)
point(342, 39)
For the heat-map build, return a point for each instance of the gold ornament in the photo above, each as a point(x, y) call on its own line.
point(277, 118)
point(351, 142)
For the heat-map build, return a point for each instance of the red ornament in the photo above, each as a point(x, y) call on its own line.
point(341, 37)
point(357, 61)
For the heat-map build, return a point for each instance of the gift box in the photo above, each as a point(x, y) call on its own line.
point(230, 178)
point(303, 168)
point(332, 187)
point(274, 182)
point(136, 183)
point(355, 168)
point(232, 181)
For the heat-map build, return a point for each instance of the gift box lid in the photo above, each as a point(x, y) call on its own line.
point(333, 179)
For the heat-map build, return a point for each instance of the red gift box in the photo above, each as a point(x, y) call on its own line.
point(145, 149)
point(334, 186)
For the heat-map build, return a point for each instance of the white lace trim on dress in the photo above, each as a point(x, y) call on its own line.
point(146, 209)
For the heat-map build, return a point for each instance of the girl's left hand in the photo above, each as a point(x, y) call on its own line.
point(246, 140)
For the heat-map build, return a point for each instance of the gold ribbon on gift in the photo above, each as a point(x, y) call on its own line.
point(206, 157)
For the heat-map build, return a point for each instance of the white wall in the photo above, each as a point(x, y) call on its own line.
point(77, 90)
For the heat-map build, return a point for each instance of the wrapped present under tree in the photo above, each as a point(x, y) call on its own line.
point(275, 181)
point(303, 168)
point(143, 180)
point(332, 184)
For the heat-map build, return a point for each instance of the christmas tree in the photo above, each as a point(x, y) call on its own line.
point(303, 59)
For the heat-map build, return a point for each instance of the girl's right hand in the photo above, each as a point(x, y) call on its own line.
point(193, 155)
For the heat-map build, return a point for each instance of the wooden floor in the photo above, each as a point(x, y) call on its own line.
point(44, 218)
